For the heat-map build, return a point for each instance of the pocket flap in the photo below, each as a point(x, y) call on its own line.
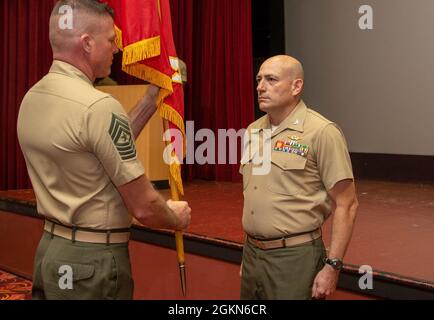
point(82, 271)
point(288, 161)
point(79, 271)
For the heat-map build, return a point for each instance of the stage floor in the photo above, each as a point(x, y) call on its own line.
point(394, 231)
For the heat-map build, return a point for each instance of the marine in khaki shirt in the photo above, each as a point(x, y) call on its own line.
point(81, 158)
point(296, 173)
point(78, 147)
point(308, 157)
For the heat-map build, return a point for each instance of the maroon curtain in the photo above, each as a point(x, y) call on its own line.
point(222, 74)
point(182, 24)
point(213, 37)
point(25, 57)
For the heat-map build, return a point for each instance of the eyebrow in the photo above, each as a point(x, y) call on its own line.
point(267, 76)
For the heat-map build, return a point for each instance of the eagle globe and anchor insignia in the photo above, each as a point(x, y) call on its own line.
point(122, 138)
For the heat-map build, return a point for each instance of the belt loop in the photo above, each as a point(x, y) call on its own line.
point(283, 242)
point(52, 230)
point(108, 238)
point(74, 230)
point(315, 232)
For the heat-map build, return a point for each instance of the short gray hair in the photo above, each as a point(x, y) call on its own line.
point(88, 6)
point(85, 9)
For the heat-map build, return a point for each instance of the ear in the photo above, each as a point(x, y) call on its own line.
point(297, 86)
point(87, 42)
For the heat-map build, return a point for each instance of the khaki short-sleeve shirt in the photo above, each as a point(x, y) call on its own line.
point(309, 156)
point(78, 148)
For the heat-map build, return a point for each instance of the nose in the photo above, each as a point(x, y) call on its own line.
point(260, 86)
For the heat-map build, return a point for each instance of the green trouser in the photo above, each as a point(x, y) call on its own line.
point(66, 270)
point(281, 274)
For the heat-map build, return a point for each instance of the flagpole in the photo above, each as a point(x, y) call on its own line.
point(178, 234)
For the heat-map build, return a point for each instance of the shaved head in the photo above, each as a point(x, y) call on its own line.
point(87, 17)
point(288, 64)
point(280, 85)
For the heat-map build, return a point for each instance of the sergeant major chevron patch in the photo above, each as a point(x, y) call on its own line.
point(122, 138)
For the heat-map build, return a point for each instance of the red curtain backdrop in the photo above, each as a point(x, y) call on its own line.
point(222, 74)
point(25, 56)
point(213, 37)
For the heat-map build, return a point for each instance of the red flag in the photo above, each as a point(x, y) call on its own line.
point(144, 34)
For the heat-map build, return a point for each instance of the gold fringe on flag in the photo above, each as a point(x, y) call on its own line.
point(148, 74)
point(167, 112)
point(118, 40)
point(141, 50)
point(171, 115)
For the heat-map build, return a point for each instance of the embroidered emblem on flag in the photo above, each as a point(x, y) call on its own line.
point(122, 138)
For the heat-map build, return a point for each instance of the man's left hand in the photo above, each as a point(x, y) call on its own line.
point(325, 282)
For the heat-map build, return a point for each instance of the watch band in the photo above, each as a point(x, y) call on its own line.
point(336, 263)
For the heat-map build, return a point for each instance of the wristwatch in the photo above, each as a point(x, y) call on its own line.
point(336, 264)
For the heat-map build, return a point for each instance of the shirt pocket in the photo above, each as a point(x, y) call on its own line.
point(287, 173)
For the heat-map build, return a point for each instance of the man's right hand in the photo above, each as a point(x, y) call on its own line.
point(183, 212)
point(151, 209)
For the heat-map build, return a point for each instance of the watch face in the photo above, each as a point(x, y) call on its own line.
point(335, 263)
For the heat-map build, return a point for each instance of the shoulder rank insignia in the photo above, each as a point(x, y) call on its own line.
point(292, 146)
point(122, 138)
